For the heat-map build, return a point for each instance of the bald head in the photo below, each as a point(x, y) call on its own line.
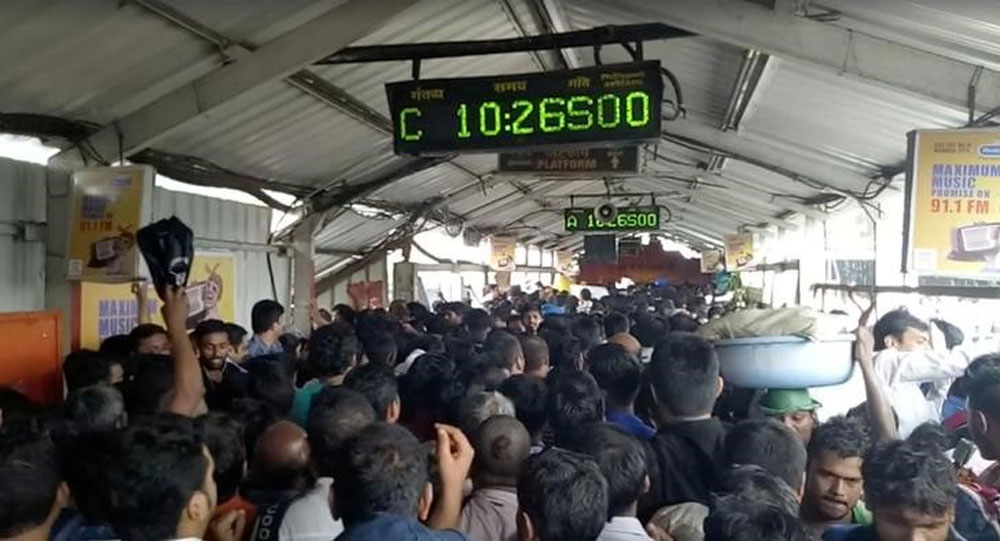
point(281, 458)
point(502, 445)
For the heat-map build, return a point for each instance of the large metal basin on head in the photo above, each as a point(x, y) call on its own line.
point(786, 362)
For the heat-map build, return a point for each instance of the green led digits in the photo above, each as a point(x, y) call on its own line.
point(490, 112)
point(580, 116)
point(525, 107)
point(404, 133)
point(549, 115)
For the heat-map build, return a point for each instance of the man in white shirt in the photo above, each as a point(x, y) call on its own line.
point(913, 373)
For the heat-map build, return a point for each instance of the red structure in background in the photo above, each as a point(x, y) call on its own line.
point(648, 264)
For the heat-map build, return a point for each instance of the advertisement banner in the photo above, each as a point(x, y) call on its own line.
point(953, 202)
point(109, 204)
point(739, 251)
point(711, 261)
point(565, 264)
point(502, 258)
point(110, 309)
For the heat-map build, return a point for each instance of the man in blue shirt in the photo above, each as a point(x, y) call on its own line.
point(619, 376)
point(267, 329)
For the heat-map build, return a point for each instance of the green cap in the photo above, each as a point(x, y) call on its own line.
point(781, 401)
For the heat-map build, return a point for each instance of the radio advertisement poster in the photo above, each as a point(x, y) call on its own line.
point(109, 204)
point(502, 256)
point(953, 202)
point(739, 251)
point(711, 261)
point(110, 309)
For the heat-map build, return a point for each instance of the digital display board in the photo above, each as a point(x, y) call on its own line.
point(613, 104)
point(628, 219)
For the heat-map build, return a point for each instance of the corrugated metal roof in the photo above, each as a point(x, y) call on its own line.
point(98, 59)
point(214, 219)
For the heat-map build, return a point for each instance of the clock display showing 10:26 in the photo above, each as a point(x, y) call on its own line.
point(546, 115)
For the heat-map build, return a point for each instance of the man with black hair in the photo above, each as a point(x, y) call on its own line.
point(224, 379)
point(118, 350)
point(502, 444)
point(587, 331)
point(915, 376)
point(333, 353)
point(912, 491)
point(536, 356)
point(479, 323)
point(833, 475)
point(32, 491)
point(98, 408)
point(337, 415)
point(622, 461)
point(619, 376)
point(237, 342)
point(381, 349)
point(690, 444)
point(379, 386)
point(507, 350)
point(750, 482)
point(85, 368)
point(265, 319)
point(383, 488)
point(426, 391)
point(530, 397)
point(531, 319)
point(150, 339)
point(616, 328)
point(772, 446)
point(736, 519)
point(562, 497)
point(270, 382)
point(984, 405)
point(160, 481)
point(224, 438)
point(574, 400)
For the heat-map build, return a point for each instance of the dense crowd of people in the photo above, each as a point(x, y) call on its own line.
point(543, 417)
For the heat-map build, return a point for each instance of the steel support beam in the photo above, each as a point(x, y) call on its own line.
point(856, 54)
point(766, 156)
point(278, 58)
point(449, 49)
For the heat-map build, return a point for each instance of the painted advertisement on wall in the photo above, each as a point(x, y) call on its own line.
point(953, 202)
point(711, 261)
point(109, 204)
point(739, 251)
point(502, 256)
point(110, 309)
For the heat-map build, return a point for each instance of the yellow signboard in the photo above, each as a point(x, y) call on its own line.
point(109, 204)
point(953, 201)
point(739, 251)
point(110, 309)
point(502, 257)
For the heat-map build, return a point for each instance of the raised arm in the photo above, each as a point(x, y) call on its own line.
point(189, 389)
point(454, 457)
point(883, 422)
point(139, 290)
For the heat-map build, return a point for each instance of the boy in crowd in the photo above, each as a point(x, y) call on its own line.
point(502, 445)
point(562, 496)
point(337, 415)
point(161, 483)
point(772, 446)
point(379, 385)
point(690, 444)
point(224, 379)
point(794, 408)
point(332, 354)
point(237, 342)
point(265, 318)
point(833, 475)
point(740, 520)
point(150, 339)
point(536, 356)
point(913, 374)
point(574, 400)
point(619, 376)
point(32, 492)
point(530, 397)
point(622, 461)
point(383, 490)
point(616, 328)
point(507, 351)
point(531, 319)
point(911, 489)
